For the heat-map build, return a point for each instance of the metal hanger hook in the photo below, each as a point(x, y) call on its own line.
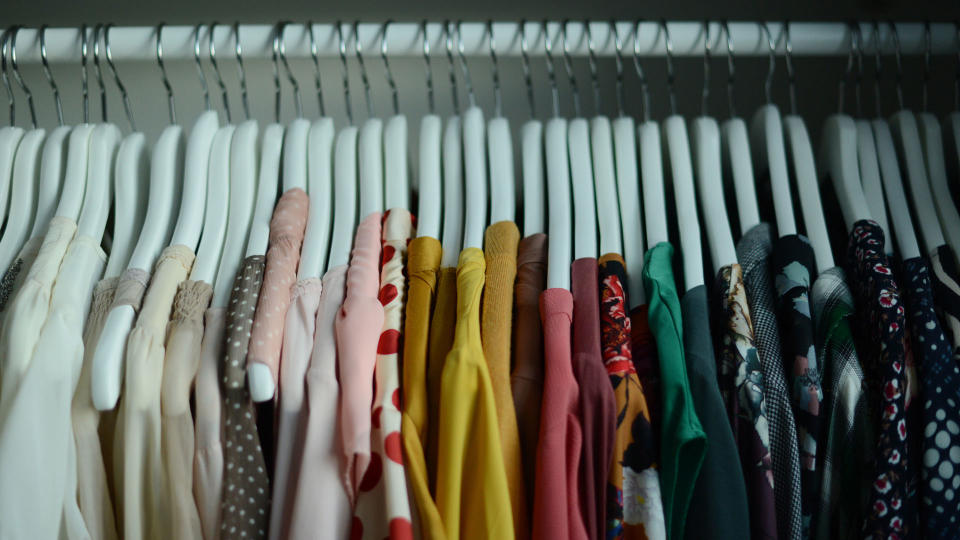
point(363, 68)
point(705, 93)
point(592, 62)
point(551, 71)
point(316, 67)
point(897, 57)
point(448, 42)
point(768, 82)
point(525, 65)
point(618, 48)
point(467, 80)
point(644, 88)
point(386, 66)
point(568, 66)
point(791, 73)
point(342, 47)
point(16, 75)
point(286, 67)
point(3, 75)
point(84, 86)
point(497, 96)
point(431, 103)
point(275, 56)
point(927, 45)
point(212, 51)
point(49, 74)
point(877, 45)
point(671, 75)
point(171, 106)
point(241, 72)
point(96, 70)
point(855, 51)
point(196, 58)
point(127, 109)
point(731, 72)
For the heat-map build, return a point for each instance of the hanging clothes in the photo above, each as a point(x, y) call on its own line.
point(208, 461)
point(14, 276)
point(441, 342)
point(946, 294)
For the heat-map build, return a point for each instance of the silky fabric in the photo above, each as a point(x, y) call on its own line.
point(945, 280)
point(208, 425)
point(287, 228)
point(294, 360)
point(940, 388)
point(39, 458)
point(180, 365)
point(131, 288)
point(245, 505)
point(500, 246)
point(320, 484)
point(718, 504)
point(441, 341)
point(847, 434)
point(682, 443)
point(14, 277)
point(526, 379)
point(28, 309)
point(753, 254)
point(556, 502)
point(358, 326)
point(472, 497)
point(423, 264)
point(141, 499)
point(742, 385)
point(793, 268)
point(881, 345)
point(634, 505)
point(596, 407)
point(93, 491)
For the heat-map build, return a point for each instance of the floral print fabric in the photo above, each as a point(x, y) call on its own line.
point(741, 385)
point(633, 471)
point(792, 261)
point(880, 328)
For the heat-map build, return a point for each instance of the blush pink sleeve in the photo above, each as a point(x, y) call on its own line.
point(358, 328)
point(286, 236)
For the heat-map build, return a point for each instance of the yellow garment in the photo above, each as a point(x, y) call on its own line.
point(423, 264)
point(472, 493)
point(441, 340)
point(500, 250)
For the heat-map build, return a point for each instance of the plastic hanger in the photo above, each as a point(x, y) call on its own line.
point(166, 173)
point(503, 204)
point(451, 239)
point(369, 146)
point(52, 157)
point(766, 130)
point(707, 160)
point(651, 159)
point(805, 170)
point(628, 181)
point(531, 149)
point(737, 160)
point(604, 169)
point(25, 175)
point(78, 144)
point(344, 174)
point(295, 138)
point(474, 161)
point(560, 226)
point(678, 154)
point(430, 177)
point(313, 255)
point(395, 167)
point(581, 168)
point(130, 200)
point(9, 136)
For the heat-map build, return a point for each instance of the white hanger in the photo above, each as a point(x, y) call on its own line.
point(651, 160)
point(707, 160)
point(581, 169)
point(870, 177)
point(10, 136)
point(911, 153)
point(430, 177)
point(474, 162)
point(503, 202)
point(838, 160)
point(805, 171)
point(396, 170)
point(937, 173)
point(96, 198)
point(531, 150)
point(560, 227)
point(451, 238)
point(684, 194)
point(953, 141)
point(369, 147)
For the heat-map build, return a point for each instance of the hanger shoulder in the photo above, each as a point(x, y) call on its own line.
point(215, 215)
point(560, 227)
point(870, 177)
point(98, 193)
point(295, 155)
point(805, 175)
point(652, 181)
point(685, 200)
point(128, 211)
point(268, 182)
point(772, 157)
point(25, 176)
point(475, 178)
point(932, 140)
point(9, 141)
point(370, 163)
point(51, 179)
point(502, 191)
point(452, 236)
point(345, 196)
point(316, 238)
point(75, 172)
point(907, 137)
point(838, 151)
point(737, 162)
point(396, 189)
point(195, 165)
point(166, 178)
point(584, 197)
point(631, 215)
point(534, 196)
point(707, 160)
point(605, 184)
point(430, 190)
point(903, 231)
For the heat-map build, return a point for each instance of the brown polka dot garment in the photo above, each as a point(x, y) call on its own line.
point(245, 506)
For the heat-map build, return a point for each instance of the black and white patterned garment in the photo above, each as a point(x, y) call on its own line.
point(946, 294)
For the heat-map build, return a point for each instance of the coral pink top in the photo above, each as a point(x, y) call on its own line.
point(358, 331)
point(556, 511)
point(286, 236)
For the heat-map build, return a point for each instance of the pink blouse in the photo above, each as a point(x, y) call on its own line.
point(286, 236)
point(358, 329)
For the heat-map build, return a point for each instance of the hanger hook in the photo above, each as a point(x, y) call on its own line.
point(497, 97)
point(275, 56)
point(731, 72)
point(3, 75)
point(848, 71)
point(127, 109)
point(525, 64)
point(927, 45)
point(386, 65)
point(877, 45)
point(592, 62)
point(618, 48)
point(568, 66)
point(791, 73)
point(768, 82)
point(196, 59)
point(241, 72)
point(431, 104)
point(897, 57)
point(314, 53)
point(342, 47)
point(671, 75)
point(363, 68)
point(448, 42)
point(49, 74)
point(16, 75)
point(286, 67)
point(171, 106)
point(705, 93)
point(551, 71)
point(644, 88)
point(212, 51)
point(84, 87)
point(96, 69)
point(467, 80)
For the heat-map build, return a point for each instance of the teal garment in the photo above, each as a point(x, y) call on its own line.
point(683, 443)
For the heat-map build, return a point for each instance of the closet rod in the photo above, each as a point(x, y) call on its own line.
point(405, 39)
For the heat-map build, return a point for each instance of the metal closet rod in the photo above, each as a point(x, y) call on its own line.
point(405, 39)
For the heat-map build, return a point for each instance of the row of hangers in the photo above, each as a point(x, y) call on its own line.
point(586, 172)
